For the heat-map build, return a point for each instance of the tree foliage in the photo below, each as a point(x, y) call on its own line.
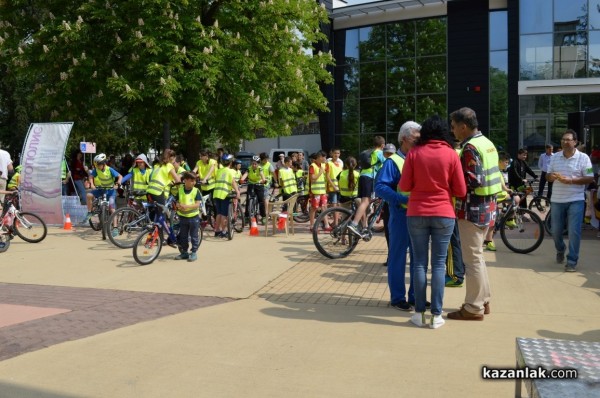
point(204, 67)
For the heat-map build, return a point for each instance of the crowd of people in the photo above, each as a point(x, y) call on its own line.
point(441, 187)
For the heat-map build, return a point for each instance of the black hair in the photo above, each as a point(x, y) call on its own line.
point(435, 128)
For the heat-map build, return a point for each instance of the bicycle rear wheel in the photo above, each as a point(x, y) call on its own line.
point(540, 205)
point(331, 236)
point(147, 247)
point(301, 209)
point(528, 233)
point(30, 227)
point(130, 223)
point(230, 222)
point(377, 224)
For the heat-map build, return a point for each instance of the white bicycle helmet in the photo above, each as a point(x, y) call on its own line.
point(256, 158)
point(100, 158)
point(227, 158)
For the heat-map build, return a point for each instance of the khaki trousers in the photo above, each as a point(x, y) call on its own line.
point(476, 277)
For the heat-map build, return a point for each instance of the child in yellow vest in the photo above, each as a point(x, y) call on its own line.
point(188, 210)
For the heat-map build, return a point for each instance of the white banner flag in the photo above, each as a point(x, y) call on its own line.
point(41, 182)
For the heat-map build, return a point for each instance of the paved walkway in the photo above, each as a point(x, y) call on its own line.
point(264, 317)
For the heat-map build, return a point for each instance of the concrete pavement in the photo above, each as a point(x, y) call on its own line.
point(282, 321)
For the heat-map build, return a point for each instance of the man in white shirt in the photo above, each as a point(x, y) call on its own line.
point(543, 164)
point(571, 171)
point(6, 166)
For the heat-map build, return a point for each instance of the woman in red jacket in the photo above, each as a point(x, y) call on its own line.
point(433, 175)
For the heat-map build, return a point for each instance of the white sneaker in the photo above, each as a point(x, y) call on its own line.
point(418, 319)
point(436, 321)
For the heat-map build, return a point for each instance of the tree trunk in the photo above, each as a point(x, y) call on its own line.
point(190, 147)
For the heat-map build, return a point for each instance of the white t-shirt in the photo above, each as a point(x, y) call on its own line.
point(578, 165)
point(5, 160)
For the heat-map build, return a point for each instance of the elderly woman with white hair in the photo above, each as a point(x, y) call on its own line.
point(386, 187)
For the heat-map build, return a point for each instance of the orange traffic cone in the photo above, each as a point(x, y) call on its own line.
point(282, 219)
point(68, 226)
point(254, 227)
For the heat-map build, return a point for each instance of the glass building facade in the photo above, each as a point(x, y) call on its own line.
point(544, 63)
point(385, 75)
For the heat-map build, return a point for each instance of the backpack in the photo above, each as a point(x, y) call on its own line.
point(364, 159)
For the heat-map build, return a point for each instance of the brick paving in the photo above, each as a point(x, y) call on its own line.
point(93, 311)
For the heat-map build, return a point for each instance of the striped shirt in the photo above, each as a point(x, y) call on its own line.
point(578, 165)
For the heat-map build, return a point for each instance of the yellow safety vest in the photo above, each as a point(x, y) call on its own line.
point(203, 169)
point(266, 168)
point(489, 157)
point(334, 172)
point(224, 184)
point(288, 181)
point(104, 179)
point(160, 178)
point(399, 161)
point(14, 181)
point(238, 175)
point(188, 199)
point(344, 183)
point(140, 181)
point(254, 175)
point(317, 187)
point(63, 169)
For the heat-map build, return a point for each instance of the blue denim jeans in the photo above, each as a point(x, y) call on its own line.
point(80, 188)
point(422, 230)
point(570, 213)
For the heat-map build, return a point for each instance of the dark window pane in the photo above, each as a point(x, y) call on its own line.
point(431, 75)
point(372, 115)
point(372, 79)
point(428, 105)
point(431, 36)
point(372, 43)
point(346, 82)
point(401, 39)
point(534, 104)
point(348, 145)
point(535, 16)
point(570, 55)
point(349, 117)
point(400, 110)
point(589, 101)
point(498, 30)
point(401, 76)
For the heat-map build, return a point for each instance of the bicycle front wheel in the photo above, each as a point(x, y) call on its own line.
point(30, 227)
point(331, 235)
point(4, 242)
point(104, 226)
point(525, 234)
point(130, 223)
point(230, 222)
point(147, 247)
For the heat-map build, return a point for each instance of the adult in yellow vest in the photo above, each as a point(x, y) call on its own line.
point(188, 210)
point(479, 160)
point(224, 185)
point(269, 172)
point(177, 166)
point(317, 190)
point(103, 177)
point(163, 174)
point(139, 175)
point(256, 181)
point(386, 187)
point(205, 170)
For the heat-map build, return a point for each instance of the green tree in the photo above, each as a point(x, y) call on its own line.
point(200, 69)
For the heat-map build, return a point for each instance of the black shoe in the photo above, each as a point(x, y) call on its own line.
point(402, 306)
point(427, 304)
point(560, 257)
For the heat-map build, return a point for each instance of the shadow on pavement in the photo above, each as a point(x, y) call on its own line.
point(16, 391)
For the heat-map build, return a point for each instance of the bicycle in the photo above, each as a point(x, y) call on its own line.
point(27, 226)
point(301, 209)
point(101, 213)
point(235, 217)
point(540, 203)
point(525, 231)
point(208, 215)
point(129, 220)
point(148, 245)
point(338, 241)
point(252, 202)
